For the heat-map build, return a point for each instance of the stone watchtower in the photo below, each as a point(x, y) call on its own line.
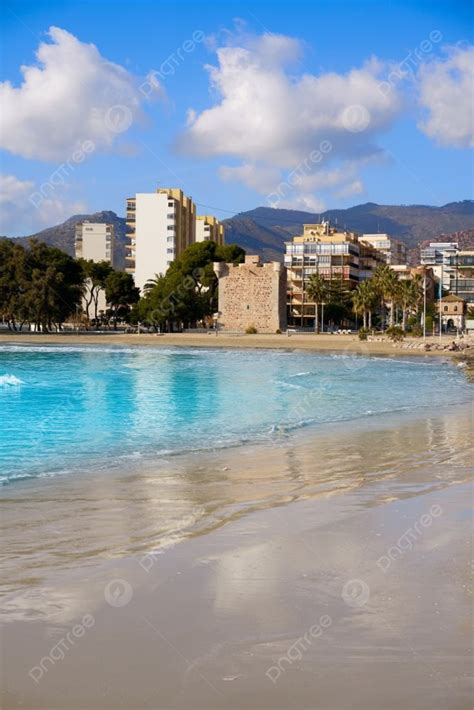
point(252, 294)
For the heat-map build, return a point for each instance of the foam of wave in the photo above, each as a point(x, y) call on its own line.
point(10, 380)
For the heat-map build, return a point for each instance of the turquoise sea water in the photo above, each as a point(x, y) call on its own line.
point(66, 409)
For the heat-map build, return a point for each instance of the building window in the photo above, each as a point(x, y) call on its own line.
point(170, 216)
point(170, 227)
point(455, 309)
point(446, 309)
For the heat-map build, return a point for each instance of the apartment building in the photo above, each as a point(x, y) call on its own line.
point(160, 226)
point(461, 275)
point(393, 250)
point(332, 254)
point(94, 241)
point(439, 256)
point(209, 228)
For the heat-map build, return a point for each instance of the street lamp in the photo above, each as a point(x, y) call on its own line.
point(424, 306)
point(440, 300)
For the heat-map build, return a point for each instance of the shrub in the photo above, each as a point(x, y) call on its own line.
point(363, 333)
point(417, 330)
point(395, 333)
point(251, 330)
point(278, 331)
point(429, 324)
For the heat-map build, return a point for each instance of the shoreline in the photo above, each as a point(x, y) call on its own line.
point(308, 341)
point(176, 497)
point(270, 611)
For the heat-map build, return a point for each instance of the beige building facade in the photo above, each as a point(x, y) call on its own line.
point(394, 251)
point(331, 254)
point(252, 294)
point(94, 241)
point(209, 228)
point(452, 311)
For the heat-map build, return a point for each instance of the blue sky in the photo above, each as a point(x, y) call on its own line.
point(383, 87)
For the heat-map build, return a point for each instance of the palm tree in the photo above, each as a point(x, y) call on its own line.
point(151, 283)
point(411, 293)
point(386, 283)
point(316, 291)
point(363, 300)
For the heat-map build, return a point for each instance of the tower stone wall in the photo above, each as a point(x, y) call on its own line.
point(252, 294)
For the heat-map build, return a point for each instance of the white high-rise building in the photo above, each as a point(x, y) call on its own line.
point(160, 226)
point(95, 241)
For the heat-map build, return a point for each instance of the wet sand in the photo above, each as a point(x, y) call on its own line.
point(297, 341)
point(328, 569)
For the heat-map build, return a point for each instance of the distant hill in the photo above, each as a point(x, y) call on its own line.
point(264, 230)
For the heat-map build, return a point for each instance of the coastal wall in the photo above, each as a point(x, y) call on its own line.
point(252, 294)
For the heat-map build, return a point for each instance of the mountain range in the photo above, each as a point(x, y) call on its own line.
point(264, 230)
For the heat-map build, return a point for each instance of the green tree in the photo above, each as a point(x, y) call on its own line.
point(386, 283)
point(410, 294)
point(316, 291)
point(120, 293)
point(96, 274)
point(12, 283)
point(51, 285)
point(187, 292)
point(364, 299)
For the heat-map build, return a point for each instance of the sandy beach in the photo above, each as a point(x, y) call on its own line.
point(275, 576)
point(322, 342)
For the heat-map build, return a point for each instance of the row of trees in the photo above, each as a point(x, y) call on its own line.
point(187, 293)
point(43, 287)
point(384, 291)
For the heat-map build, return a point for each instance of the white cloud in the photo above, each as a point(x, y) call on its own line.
point(356, 187)
point(305, 202)
point(258, 177)
point(273, 120)
point(446, 88)
point(22, 212)
point(12, 189)
point(73, 94)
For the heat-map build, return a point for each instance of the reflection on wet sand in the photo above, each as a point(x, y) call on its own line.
point(70, 521)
